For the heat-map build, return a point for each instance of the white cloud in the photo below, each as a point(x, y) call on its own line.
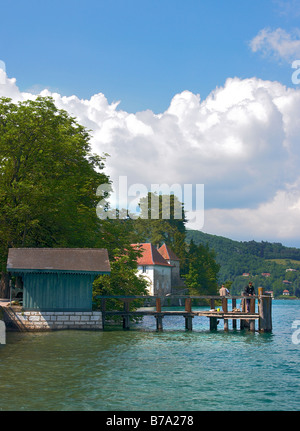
point(241, 142)
point(276, 219)
point(288, 8)
point(2, 65)
point(277, 43)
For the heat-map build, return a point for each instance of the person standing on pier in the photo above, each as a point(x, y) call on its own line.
point(249, 291)
point(223, 291)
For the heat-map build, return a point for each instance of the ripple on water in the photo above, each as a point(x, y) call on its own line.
point(146, 370)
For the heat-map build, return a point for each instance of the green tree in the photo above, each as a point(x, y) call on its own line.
point(48, 184)
point(162, 220)
point(117, 236)
point(203, 269)
point(48, 178)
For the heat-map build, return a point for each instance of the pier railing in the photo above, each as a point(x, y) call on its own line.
point(252, 309)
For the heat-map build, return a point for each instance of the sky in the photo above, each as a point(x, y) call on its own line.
point(177, 93)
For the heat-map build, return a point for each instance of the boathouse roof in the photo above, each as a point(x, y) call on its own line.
point(69, 260)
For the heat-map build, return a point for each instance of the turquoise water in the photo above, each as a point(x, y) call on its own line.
point(142, 369)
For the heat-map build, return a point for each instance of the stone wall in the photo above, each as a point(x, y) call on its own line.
point(162, 280)
point(51, 320)
point(2, 332)
point(159, 278)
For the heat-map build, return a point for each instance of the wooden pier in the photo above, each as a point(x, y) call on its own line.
point(247, 320)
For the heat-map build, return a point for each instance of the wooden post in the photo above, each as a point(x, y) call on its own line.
point(225, 310)
point(259, 304)
point(189, 323)
point(126, 318)
point(212, 320)
point(188, 305)
point(252, 304)
point(159, 325)
point(188, 319)
point(158, 317)
point(103, 309)
point(233, 307)
point(224, 305)
point(158, 305)
point(252, 310)
point(252, 325)
point(225, 324)
point(265, 313)
point(243, 307)
point(213, 323)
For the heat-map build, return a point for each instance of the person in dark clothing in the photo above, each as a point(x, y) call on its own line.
point(249, 291)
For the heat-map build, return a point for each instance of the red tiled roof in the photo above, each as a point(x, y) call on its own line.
point(167, 253)
point(150, 256)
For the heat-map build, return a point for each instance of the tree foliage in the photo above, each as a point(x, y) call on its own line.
point(162, 220)
point(117, 236)
point(201, 278)
point(268, 264)
point(48, 178)
point(48, 183)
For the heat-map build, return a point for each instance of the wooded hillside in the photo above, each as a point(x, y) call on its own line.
point(268, 264)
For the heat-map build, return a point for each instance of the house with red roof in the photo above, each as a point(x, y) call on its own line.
point(159, 266)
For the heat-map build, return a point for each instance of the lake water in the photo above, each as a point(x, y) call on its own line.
point(142, 369)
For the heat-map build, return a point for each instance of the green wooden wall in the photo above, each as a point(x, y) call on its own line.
point(57, 291)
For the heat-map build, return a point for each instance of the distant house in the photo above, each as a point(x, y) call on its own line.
point(265, 274)
point(286, 282)
point(245, 274)
point(286, 292)
point(160, 267)
point(290, 269)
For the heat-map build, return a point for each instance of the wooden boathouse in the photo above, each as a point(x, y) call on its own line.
point(260, 311)
point(57, 287)
point(57, 279)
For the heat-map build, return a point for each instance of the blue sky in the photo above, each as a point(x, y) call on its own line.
point(177, 92)
point(140, 52)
